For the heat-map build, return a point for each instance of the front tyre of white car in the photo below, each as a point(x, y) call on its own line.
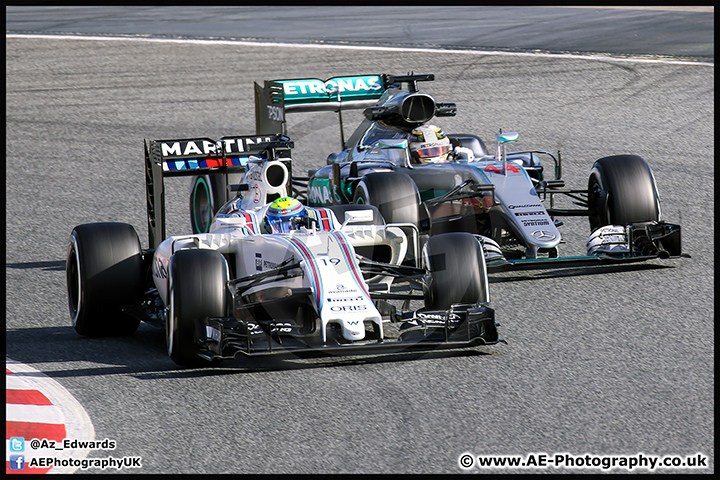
point(104, 273)
point(197, 280)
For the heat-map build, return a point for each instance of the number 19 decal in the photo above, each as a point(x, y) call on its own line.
point(330, 261)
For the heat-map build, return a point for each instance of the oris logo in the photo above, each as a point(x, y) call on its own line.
point(348, 308)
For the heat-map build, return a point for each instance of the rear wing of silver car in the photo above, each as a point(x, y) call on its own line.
point(276, 98)
point(200, 156)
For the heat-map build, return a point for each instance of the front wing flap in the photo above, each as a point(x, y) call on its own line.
point(634, 243)
point(462, 326)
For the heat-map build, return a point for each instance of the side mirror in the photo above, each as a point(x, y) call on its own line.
point(357, 216)
point(501, 152)
point(507, 137)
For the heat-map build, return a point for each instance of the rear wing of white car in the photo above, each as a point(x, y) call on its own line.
point(276, 98)
point(200, 156)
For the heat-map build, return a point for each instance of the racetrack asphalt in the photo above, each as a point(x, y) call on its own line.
point(619, 362)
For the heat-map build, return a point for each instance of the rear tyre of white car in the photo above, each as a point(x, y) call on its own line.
point(104, 272)
point(207, 194)
point(197, 289)
point(202, 204)
point(393, 193)
point(456, 271)
point(621, 191)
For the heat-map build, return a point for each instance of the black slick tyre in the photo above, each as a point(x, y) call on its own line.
point(202, 204)
point(621, 191)
point(196, 289)
point(104, 272)
point(456, 271)
point(393, 193)
point(207, 195)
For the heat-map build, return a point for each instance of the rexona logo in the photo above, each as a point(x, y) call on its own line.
point(308, 90)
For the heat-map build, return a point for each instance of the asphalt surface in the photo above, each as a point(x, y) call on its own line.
point(675, 31)
point(610, 362)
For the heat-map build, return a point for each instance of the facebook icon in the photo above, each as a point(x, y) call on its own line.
point(17, 462)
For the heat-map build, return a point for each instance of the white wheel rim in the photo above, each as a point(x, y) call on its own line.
point(170, 319)
point(73, 239)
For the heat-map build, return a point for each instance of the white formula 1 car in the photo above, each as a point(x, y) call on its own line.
point(241, 288)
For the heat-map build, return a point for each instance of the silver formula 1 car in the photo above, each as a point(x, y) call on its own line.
point(503, 196)
point(325, 285)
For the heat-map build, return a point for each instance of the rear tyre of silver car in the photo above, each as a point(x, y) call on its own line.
point(621, 191)
point(456, 271)
point(197, 281)
point(393, 193)
point(103, 273)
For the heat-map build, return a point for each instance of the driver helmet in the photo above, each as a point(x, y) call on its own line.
point(429, 144)
point(285, 214)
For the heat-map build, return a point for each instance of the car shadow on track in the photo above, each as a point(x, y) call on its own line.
point(60, 352)
point(537, 274)
point(47, 266)
point(282, 362)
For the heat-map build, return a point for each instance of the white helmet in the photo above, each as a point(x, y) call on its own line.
point(428, 144)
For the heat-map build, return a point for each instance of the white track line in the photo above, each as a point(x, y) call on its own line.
point(34, 413)
point(603, 58)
